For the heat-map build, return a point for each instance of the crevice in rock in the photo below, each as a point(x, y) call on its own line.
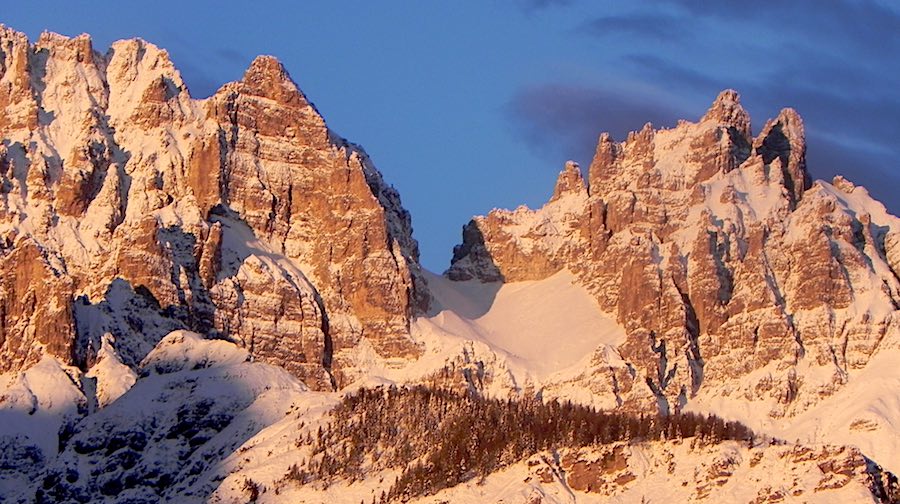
point(692, 328)
point(328, 343)
point(741, 148)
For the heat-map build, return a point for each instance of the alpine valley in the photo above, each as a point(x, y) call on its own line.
point(221, 301)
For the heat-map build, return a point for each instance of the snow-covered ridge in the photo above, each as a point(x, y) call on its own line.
point(204, 424)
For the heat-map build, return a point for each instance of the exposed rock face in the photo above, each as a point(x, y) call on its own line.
point(731, 272)
point(35, 307)
point(241, 216)
point(534, 246)
point(696, 471)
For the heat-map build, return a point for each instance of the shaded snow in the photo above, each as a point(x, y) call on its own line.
point(113, 377)
point(36, 402)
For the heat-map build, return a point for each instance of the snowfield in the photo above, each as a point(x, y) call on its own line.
point(542, 326)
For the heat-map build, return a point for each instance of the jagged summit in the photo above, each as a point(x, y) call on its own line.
point(718, 256)
point(267, 77)
point(727, 110)
point(82, 45)
point(238, 216)
point(569, 181)
point(268, 66)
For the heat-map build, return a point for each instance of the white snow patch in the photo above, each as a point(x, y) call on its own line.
point(544, 326)
point(113, 377)
point(36, 402)
point(181, 350)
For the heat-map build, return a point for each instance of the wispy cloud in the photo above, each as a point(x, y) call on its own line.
point(663, 26)
point(835, 63)
point(536, 5)
point(231, 55)
point(564, 121)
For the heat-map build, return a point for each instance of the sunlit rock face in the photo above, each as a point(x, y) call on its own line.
point(128, 207)
point(733, 274)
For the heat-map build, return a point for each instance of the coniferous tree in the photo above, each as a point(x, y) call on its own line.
point(439, 438)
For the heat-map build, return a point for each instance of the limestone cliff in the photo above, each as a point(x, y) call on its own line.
point(731, 272)
point(128, 207)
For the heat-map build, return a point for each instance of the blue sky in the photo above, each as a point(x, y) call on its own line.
point(469, 105)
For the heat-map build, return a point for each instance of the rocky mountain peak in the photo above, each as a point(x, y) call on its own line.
point(10, 38)
point(79, 48)
point(240, 216)
point(569, 181)
point(16, 95)
point(604, 160)
point(712, 249)
point(783, 138)
point(266, 77)
point(727, 111)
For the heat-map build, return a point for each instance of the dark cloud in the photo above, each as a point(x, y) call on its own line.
point(232, 55)
point(662, 26)
point(830, 98)
point(874, 170)
point(563, 121)
point(862, 24)
point(536, 5)
point(833, 62)
point(673, 76)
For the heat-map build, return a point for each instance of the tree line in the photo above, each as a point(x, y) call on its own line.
point(440, 438)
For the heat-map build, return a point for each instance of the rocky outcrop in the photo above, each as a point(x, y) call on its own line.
point(532, 245)
point(731, 272)
point(318, 200)
point(697, 471)
point(35, 307)
point(241, 216)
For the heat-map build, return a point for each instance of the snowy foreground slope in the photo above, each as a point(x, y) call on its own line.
point(203, 423)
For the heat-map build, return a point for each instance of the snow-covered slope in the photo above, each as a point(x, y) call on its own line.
point(686, 472)
point(865, 413)
point(543, 326)
point(202, 423)
point(35, 405)
point(196, 402)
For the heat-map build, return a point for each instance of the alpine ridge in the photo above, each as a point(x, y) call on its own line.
point(130, 209)
point(220, 300)
point(719, 257)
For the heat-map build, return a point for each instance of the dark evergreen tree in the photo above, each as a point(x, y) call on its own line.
point(440, 438)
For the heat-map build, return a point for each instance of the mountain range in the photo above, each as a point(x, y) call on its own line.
point(198, 297)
